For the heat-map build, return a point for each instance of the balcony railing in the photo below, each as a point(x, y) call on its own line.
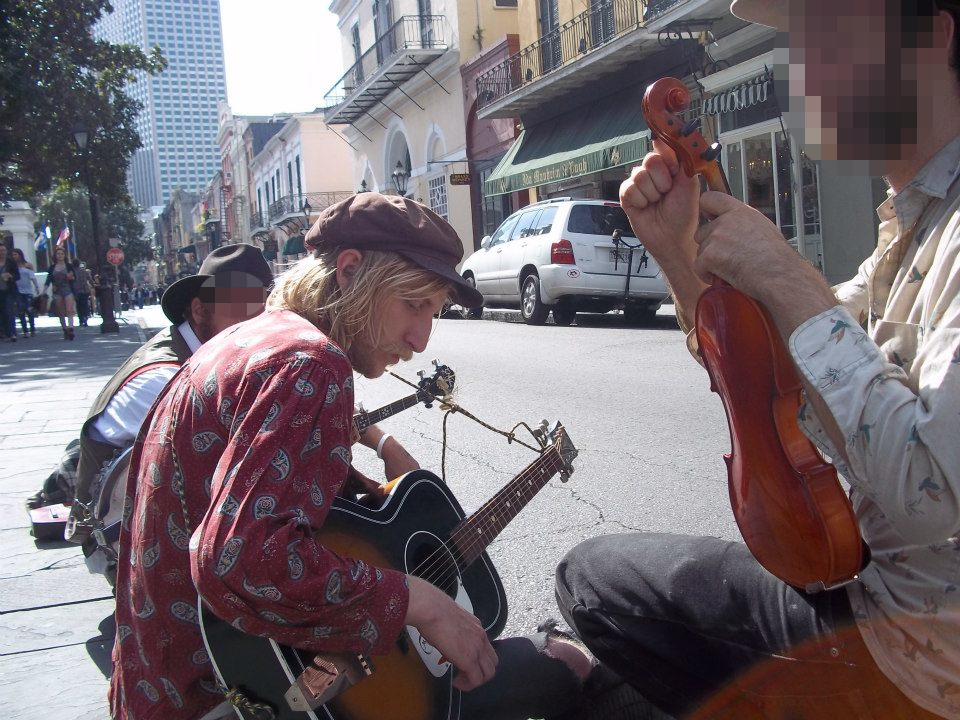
point(257, 220)
point(573, 40)
point(411, 32)
point(293, 204)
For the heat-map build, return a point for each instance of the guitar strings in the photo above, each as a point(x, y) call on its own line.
point(431, 568)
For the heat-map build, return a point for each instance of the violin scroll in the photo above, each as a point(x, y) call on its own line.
point(663, 102)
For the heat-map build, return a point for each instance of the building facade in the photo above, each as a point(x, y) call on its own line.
point(178, 122)
point(401, 99)
point(577, 84)
point(296, 169)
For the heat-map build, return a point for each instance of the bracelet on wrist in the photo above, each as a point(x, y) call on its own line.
point(383, 439)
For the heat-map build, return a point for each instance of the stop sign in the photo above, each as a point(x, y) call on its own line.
point(114, 256)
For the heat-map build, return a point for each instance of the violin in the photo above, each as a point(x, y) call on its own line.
point(792, 512)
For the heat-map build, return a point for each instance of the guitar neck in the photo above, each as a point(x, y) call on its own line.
point(472, 536)
point(363, 420)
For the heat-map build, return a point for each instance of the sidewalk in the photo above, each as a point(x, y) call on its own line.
point(56, 623)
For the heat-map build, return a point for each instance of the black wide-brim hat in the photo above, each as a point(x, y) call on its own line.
point(242, 257)
point(371, 221)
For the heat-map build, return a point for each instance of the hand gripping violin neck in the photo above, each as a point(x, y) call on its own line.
point(792, 511)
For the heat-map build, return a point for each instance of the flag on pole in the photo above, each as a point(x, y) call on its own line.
point(40, 244)
point(63, 237)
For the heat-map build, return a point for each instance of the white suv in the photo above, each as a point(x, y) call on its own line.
point(566, 256)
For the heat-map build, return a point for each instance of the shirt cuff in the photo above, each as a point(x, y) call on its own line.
point(829, 346)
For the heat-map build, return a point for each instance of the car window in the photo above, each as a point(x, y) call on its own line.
point(503, 232)
point(599, 220)
point(545, 221)
point(523, 228)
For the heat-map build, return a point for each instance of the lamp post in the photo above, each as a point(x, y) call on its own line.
point(104, 288)
point(400, 179)
point(306, 216)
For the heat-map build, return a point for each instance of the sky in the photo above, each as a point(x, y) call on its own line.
point(280, 55)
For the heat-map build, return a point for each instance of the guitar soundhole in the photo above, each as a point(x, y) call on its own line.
point(428, 558)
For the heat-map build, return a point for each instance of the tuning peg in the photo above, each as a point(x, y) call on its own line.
point(436, 363)
point(420, 374)
point(690, 127)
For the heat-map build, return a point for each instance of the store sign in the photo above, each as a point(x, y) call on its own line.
point(270, 245)
point(746, 95)
point(459, 178)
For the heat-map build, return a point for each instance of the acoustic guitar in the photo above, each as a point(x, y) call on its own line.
point(421, 530)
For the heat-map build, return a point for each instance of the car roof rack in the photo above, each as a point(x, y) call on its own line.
point(549, 200)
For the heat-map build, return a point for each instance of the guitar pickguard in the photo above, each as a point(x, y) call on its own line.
point(445, 567)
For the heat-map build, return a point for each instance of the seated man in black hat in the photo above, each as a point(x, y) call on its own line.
point(119, 409)
point(117, 413)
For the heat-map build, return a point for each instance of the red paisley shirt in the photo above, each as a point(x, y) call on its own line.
point(258, 426)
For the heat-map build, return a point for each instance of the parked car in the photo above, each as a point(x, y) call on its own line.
point(567, 256)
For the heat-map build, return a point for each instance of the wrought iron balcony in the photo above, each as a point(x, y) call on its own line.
point(293, 204)
point(404, 50)
point(575, 39)
point(258, 222)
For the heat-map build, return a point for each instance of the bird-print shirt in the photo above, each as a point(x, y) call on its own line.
point(256, 427)
point(887, 364)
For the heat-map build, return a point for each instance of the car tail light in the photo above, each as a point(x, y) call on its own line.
point(561, 253)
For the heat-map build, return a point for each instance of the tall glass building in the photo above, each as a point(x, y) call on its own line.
point(178, 122)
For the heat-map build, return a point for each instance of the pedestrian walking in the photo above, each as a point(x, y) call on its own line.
point(82, 285)
point(27, 289)
point(9, 274)
point(60, 276)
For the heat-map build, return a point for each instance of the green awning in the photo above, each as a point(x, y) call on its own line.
point(607, 134)
point(293, 245)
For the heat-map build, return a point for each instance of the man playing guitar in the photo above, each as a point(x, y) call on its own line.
point(696, 624)
point(239, 462)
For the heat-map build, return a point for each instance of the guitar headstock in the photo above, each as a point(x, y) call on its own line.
point(438, 385)
point(564, 446)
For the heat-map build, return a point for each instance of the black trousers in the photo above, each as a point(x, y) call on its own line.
point(702, 630)
point(83, 307)
point(528, 684)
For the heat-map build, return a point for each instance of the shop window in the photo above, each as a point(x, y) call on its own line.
point(438, 195)
point(784, 185)
point(493, 208)
point(760, 174)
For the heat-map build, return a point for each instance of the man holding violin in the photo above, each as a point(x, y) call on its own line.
point(697, 624)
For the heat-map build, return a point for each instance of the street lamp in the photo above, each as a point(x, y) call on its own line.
point(306, 216)
point(104, 287)
point(400, 179)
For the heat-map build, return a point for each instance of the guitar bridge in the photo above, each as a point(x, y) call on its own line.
point(326, 677)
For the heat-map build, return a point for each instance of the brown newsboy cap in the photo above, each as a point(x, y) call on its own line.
point(371, 221)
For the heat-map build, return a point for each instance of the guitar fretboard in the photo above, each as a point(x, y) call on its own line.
point(473, 535)
point(363, 420)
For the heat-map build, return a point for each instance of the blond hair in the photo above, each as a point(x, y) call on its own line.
point(310, 289)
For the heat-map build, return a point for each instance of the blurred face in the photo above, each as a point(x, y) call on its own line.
point(60, 254)
point(862, 86)
point(405, 329)
point(226, 299)
point(3, 254)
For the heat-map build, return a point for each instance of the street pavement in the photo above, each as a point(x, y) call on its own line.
point(56, 626)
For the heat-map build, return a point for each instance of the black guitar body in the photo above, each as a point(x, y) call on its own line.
point(410, 533)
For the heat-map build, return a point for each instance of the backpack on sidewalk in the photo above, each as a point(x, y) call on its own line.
point(60, 485)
